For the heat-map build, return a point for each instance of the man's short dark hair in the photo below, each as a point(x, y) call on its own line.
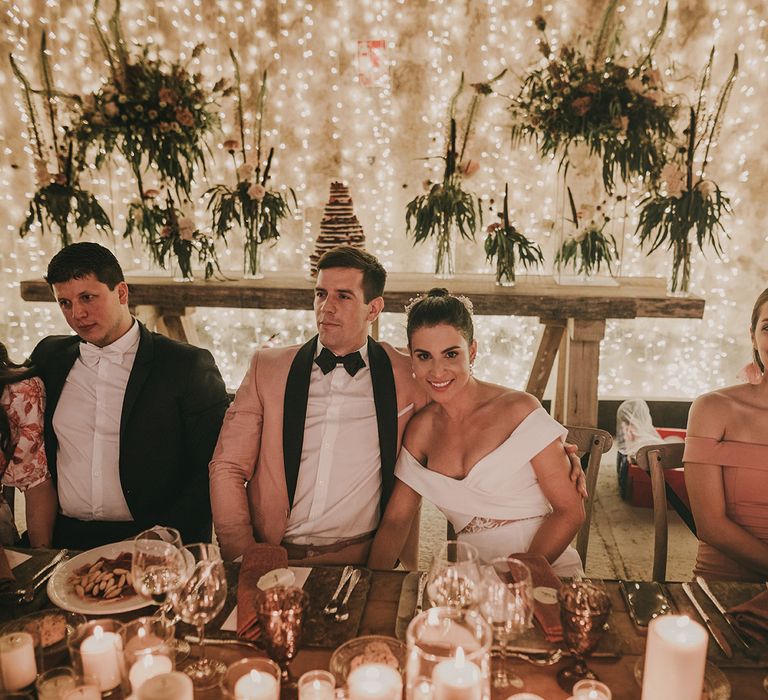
point(374, 274)
point(82, 259)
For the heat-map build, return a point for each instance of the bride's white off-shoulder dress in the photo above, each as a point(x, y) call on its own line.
point(499, 505)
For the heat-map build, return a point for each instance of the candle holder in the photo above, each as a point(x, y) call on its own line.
point(20, 659)
point(168, 686)
point(448, 656)
point(281, 617)
point(51, 629)
point(148, 649)
point(96, 650)
point(590, 689)
point(319, 685)
point(64, 683)
point(374, 682)
point(251, 679)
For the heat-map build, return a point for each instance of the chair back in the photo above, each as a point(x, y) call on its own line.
point(594, 442)
point(655, 459)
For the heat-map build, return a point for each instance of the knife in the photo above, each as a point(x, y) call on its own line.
point(722, 642)
point(708, 591)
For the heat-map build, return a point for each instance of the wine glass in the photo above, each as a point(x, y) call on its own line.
point(281, 617)
point(159, 566)
point(584, 610)
point(507, 605)
point(454, 577)
point(197, 601)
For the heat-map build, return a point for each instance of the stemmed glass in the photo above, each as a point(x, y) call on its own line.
point(197, 601)
point(158, 567)
point(584, 610)
point(454, 577)
point(281, 617)
point(507, 605)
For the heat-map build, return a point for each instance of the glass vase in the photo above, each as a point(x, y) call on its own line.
point(445, 254)
point(252, 262)
point(680, 281)
point(181, 261)
point(448, 655)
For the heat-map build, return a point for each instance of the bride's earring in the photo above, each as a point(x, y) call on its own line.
point(471, 368)
point(413, 374)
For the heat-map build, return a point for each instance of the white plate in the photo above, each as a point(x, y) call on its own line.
point(61, 592)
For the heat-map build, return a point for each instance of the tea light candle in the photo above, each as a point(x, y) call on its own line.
point(83, 692)
point(589, 689)
point(317, 685)
point(100, 654)
point(256, 685)
point(55, 688)
point(457, 679)
point(374, 682)
point(422, 689)
point(148, 666)
point(675, 656)
point(17, 660)
point(529, 696)
point(167, 686)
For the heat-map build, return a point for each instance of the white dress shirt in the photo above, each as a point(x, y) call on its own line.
point(339, 485)
point(87, 426)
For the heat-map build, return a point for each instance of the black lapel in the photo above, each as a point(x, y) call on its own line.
point(385, 398)
point(295, 413)
point(55, 376)
point(139, 373)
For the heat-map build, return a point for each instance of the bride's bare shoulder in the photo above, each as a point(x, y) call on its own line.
point(515, 404)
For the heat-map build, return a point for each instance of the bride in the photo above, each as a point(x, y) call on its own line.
point(490, 458)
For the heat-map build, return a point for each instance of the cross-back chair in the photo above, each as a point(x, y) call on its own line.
point(655, 459)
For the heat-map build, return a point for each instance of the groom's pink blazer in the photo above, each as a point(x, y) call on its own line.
point(255, 465)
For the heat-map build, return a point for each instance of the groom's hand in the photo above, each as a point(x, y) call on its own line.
point(577, 473)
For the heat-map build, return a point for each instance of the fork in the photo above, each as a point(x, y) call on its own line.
point(332, 606)
point(27, 593)
point(343, 612)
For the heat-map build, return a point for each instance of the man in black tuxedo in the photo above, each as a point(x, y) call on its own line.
point(131, 416)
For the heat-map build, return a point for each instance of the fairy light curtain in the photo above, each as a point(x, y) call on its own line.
point(326, 125)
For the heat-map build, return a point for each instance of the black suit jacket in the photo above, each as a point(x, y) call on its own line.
point(173, 407)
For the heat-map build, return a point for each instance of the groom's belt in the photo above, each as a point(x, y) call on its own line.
point(305, 551)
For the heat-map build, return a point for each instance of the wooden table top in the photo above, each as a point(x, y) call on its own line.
point(380, 613)
point(533, 295)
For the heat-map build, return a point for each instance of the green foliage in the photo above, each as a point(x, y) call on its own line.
point(508, 246)
point(621, 113)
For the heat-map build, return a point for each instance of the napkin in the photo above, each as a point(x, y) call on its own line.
point(6, 575)
point(546, 586)
point(752, 617)
point(257, 561)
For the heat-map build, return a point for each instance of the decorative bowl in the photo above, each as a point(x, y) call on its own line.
point(372, 648)
point(53, 627)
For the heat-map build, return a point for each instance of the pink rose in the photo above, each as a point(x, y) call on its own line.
point(469, 167)
point(493, 227)
point(635, 85)
point(165, 232)
point(707, 188)
point(186, 228)
point(581, 105)
point(257, 192)
point(621, 124)
point(231, 145)
point(111, 109)
point(151, 193)
point(167, 95)
point(185, 117)
point(244, 172)
point(654, 77)
point(674, 180)
point(165, 127)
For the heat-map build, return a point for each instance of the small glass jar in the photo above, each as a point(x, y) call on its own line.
point(251, 679)
point(96, 650)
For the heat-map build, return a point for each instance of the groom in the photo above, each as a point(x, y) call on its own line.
point(307, 451)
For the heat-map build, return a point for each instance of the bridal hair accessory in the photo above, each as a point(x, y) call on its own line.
point(465, 301)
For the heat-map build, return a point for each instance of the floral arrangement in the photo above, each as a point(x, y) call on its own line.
point(590, 246)
point(447, 206)
point(167, 231)
point(249, 203)
point(684, 199)
point(509, 246)
point(59, 200)
point(621, 112)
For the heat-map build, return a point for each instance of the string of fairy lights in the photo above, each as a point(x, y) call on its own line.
point(325, 124)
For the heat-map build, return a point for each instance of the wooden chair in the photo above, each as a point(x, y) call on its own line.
point(594, 442)
point(655, 459)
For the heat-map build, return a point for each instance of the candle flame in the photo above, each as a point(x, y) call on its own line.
point(256, 676)
point(98, 632)
point(459, 656)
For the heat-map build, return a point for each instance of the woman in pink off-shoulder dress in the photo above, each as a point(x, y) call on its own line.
point(22, 453)
point(726, 469)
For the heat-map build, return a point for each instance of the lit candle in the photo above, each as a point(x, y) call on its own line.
point(17, 660)
point(101, 654)
point(675, 656)
point(256, 685)
point(167, 686)
point(83, 692)
point(529, 696)
point(590, 689)
point(54, 688)
point(317, 685)
point(457, 679)
point(375, 682)
point(148, 666)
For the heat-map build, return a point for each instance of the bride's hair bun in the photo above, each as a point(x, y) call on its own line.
point(438, 306)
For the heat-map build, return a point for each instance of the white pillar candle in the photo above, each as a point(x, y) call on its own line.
point(374, 682)
point(256, 685)
point(101, 655)
point(167, 686)
point(148, 666)
point(83, 692)
point(17, 660)
point(457, 679)
point(675, 656)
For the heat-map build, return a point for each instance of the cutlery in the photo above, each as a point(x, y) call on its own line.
point(332, 605)
point(715, 631)
point(27, 593)
point(420, 593)
point(192, 639)
point(708, 591)
point(537, 658)
point(343, 612)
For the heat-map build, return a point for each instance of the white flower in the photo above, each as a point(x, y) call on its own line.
point(257, 192)
point(186, 228)
point(579, 235)
point(707, 188)
point(244, 172)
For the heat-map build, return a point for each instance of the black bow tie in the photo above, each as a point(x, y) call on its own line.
point(327, 361)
